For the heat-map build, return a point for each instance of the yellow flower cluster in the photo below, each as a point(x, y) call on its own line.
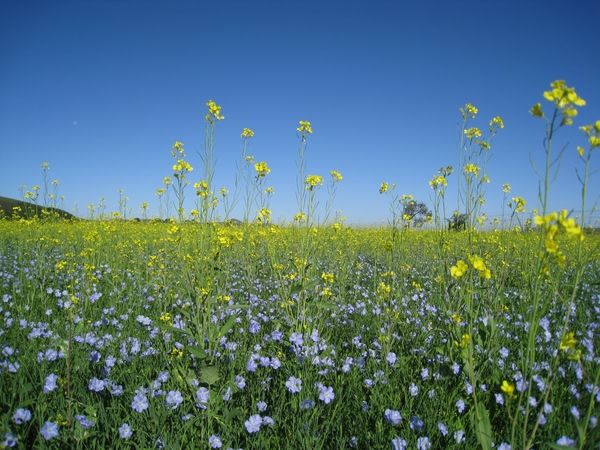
point(264, 215)
point(384, 187)
point(469, 110)
point(177, 149)
point(247, 133)
point(313, 181)
point(304, 127)
point(261, 169)
point(473, 132)
point(214, 112)
point(564, 98)
point(496, 122)
point(508, 388)
point(567, 345)
point(384, 289)
point(461, 268)
point(519, 203)
point(471, 169)
point(201, 189)
point(327, 277)
point(553, 223)
point(336, 176)
point(181, 167)
point(506, 188)
point(167, 181)
point(437, 181)
point(593, 134)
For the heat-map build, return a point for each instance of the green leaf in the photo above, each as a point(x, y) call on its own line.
point(227, 326)
point(482, 426)
point(209, 375)
point(197, 352)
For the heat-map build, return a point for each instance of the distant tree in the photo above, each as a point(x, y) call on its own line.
point(458, 222)
point(416, 213)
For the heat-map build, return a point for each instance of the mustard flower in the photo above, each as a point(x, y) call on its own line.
point(336, 176)
point(304, 127)
point(473, 132)
point(247, 133)
point(384, 187)
point(214, 112)
point(469, 110)
point(261, 169)
point(313, 181)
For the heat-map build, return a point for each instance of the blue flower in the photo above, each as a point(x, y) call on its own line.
point(307, 404)
point(140, 402)
point(326, 394)
point(50, 383)
point(174, 399)
point(253, 423)
point(393, 417)
point(261, 406)
point(294, 385)
point(423, 443)
point(125, 431)
point(96, 385)
point(10, 440)
point(21, 415)
point(84, 421)
point(49, 430)
point(215, 441)
point(202, 395)
point(399, 444)
point(416, 424)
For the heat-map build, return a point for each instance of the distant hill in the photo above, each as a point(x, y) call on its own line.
point(28, 210)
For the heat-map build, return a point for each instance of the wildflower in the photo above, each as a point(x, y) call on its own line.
point(294, 385)
point(50, 383)
point(140, 402)
point(536, 110)
point(479, 265)
point(460, 406)
point(307, 404)
point(10, 440)
point(214, 112)
point(84, 421)
point(304, 127)
point(469, 110)
point(459, 269)
point(438, 181)
point(384, 187)
point(423, 443)
point(253, 423)
point(568, 342)
point(519, 204)
point(49, 430)
point(96, 385)
point(21, 416)
point(504, 446)
point(125, 431)
point(215, 441)
point(262, 169)
point(335, 176)
point(471, 169)
point(247, 133)
point(173, 399)
point(203, 394)
point(506, 188)
point(459, 436)
point(496, 122)
point(393, 417)
point(566, 441)
point(391, 358)
point(326, 394)
point(443, 429)
point(399, 444)
point(413, 389)
point(416, 424)
point(313, 181)
point(473, 132)
point(508, 388)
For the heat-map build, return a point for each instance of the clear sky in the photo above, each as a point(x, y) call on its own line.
point(102, 89)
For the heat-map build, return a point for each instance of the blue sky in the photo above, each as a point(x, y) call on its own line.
point(101, 90)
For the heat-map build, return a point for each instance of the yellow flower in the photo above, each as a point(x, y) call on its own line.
point(471, 169)
point(508, 388)
point(384, 289)
point(459, 269)
point(182, 166)
point(262, 169)
point(469, 110)
point(178, 149)
point(472, 132)
point(327, 277)
point(299, 217)
point(214, 112)
point(247, 133)
point(479, 265)
point(166, 181)
point(465, 340)
point(506, 188)
point(568, 342)
point(437, 181)
point(313, 181)
point(496, 122)
point(264, 215)
point(304, 127)
point(536, 110)
point(519, 204)
point(336, 176)
point(384, 187)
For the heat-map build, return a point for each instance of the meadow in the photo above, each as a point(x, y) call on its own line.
point(199, 332)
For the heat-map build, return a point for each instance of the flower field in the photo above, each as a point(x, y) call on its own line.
point(198, 333)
